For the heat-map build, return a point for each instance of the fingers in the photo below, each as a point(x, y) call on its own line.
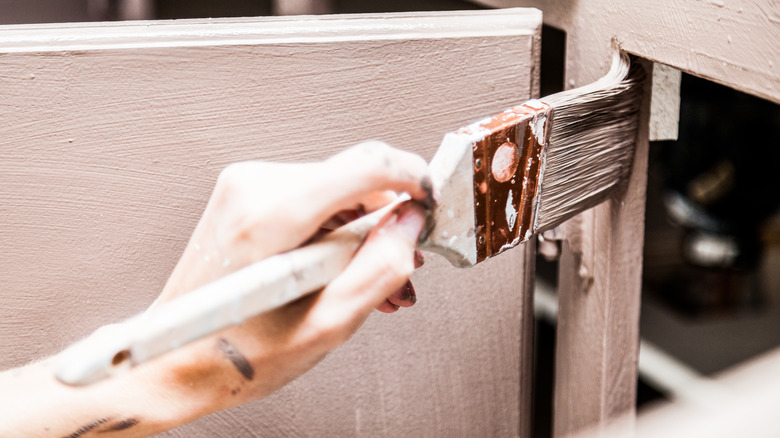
point(403, 297)
point(419, 259)
point(381, 167)
point(376, 200)
point(387, 307)
point(365, 173)
point(378, 274)
point(261, 208)
point(406, 295)
point(342, 217)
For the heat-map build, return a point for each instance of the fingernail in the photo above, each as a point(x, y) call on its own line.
point(419, 259)
point(411, 294)
point(346, 216)
point(410, 220)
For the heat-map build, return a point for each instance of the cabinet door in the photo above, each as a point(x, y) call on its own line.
point(112, 136)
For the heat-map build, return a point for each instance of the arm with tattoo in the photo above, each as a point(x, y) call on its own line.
point(257, 209)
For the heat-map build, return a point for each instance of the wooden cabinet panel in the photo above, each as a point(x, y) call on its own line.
point(113, 135)
point(735, 43)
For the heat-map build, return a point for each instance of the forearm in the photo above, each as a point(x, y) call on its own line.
point(142, 402)
point(247, 220)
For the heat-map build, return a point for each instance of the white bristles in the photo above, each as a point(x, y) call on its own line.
point(591, 143)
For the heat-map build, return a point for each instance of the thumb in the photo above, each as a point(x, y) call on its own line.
point(382, 265)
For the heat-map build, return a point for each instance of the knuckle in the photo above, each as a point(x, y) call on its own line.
point(372, 147)
point(231, 183)
point(231, 175)
point(243, 174)
point(370, 157)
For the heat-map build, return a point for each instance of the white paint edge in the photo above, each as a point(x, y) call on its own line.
point(267, 30)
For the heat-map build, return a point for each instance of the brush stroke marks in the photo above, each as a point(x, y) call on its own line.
point(242, 365)
point(88, 427)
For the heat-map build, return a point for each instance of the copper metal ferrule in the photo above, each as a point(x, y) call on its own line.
point(508, 163)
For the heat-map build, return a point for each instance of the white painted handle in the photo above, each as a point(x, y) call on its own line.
point(228, 301)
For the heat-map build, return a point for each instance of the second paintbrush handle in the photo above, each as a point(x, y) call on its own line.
point(230, 300)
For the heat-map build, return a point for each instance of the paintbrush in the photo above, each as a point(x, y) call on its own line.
point(500, 181)
point(530, 168)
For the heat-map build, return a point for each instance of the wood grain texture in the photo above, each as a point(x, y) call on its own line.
point(112, 138)
point(735, 43)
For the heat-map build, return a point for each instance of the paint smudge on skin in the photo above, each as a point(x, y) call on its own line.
point(88, 427)
point(239, 361)
point(429, 202)
point(120, 425)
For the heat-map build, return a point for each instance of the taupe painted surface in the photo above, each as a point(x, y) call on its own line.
point(665, 103)
point(600, 281)
point(601, 263)
point(112, 137)
point(735, 43)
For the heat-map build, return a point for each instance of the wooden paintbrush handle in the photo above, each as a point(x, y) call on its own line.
point(230, 300)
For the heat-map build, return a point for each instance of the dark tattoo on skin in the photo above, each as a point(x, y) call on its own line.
point(113, 427)
point(239, 361)
point(120, 425)
point(86, 428)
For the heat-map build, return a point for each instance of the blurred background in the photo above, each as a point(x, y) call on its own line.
point(711, 295)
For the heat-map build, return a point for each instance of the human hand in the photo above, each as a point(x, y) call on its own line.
point(259, 209)
point(406, 295)
point(256, 210)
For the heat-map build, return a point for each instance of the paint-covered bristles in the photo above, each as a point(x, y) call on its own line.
point(591, 143)
point(568, 152)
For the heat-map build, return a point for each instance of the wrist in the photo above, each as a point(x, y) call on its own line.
point(190, 382)
point(133, 404)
